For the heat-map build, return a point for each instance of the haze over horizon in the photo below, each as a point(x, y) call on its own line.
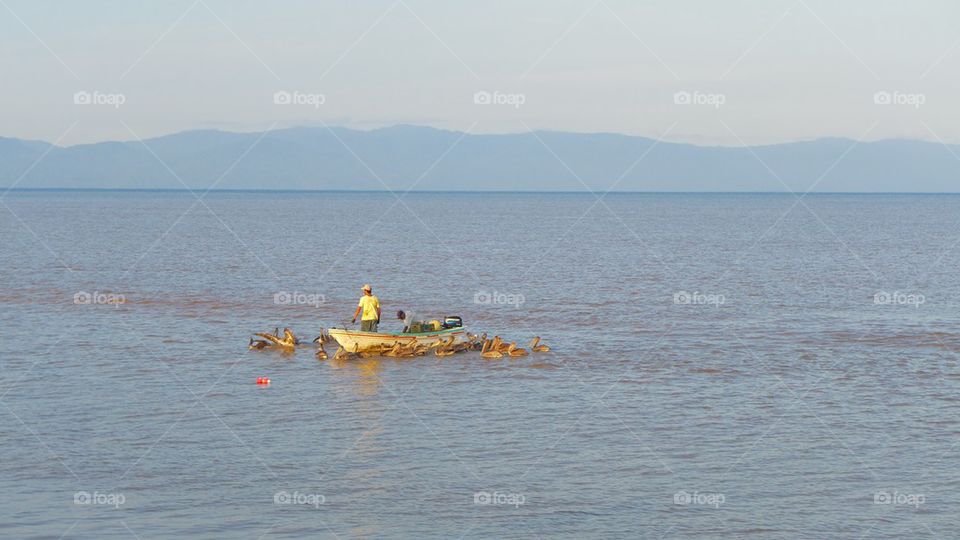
point(686, 72)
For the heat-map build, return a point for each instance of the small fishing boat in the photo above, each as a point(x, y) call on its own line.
point(357, 341)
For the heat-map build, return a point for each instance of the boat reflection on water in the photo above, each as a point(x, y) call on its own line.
point(365, 373)
point(359, 454)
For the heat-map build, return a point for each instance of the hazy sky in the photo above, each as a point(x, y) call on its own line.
point(756, 72)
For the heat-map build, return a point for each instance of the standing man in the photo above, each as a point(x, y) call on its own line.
point(370, 305)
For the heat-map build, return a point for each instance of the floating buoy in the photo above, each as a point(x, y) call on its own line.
point(263, 380)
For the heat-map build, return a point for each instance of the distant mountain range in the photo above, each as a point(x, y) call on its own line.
point(404, 157)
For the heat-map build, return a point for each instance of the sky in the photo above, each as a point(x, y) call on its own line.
point(699, 71)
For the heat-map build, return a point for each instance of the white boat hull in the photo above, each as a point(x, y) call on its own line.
point(356, 341)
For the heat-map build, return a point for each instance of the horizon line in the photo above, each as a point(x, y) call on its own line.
point(468, 191)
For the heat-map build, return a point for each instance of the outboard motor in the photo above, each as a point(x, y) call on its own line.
point(452, 321)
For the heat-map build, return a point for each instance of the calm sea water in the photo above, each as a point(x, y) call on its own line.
point(722, 366)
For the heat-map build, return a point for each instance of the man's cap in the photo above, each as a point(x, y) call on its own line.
point(366, 287)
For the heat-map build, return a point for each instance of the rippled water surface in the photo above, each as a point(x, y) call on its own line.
point(722, 366)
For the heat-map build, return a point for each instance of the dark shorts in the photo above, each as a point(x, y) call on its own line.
point(368, 326)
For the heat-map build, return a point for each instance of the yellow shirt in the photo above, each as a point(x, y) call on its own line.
point(370, 305)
